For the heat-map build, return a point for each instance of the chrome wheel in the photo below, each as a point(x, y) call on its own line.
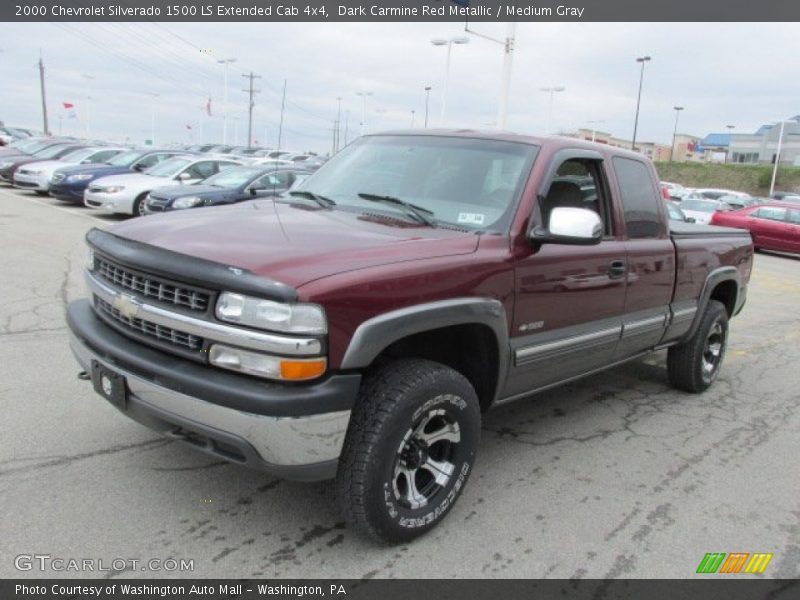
point(423, 464)
point(713, 351)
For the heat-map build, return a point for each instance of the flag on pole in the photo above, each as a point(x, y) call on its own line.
point(188, 126)
point(69, 108)
point(208, 107)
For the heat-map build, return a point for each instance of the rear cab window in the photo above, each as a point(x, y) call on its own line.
point(640, 199)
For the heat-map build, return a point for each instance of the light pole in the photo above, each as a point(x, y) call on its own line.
point(641, 59)
point(730, 129)
point(413, 115)
point(338, 133)
point(449, 43)
point(88, 78)
point(777, 160)
point(427, 103)
point(594, 129)
point(153, 95)
point(677, 110)
point(552, 91)
point(363, 110)
point(225, 62)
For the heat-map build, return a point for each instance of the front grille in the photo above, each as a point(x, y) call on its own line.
point(157, 204)
point(152, 287)
point(26, 172)
point(161, 333)
point(24, 183)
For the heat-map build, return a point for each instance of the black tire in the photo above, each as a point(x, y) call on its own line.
point(40, 192)
point(138, 205)
point(401, 406)
point(694, 365)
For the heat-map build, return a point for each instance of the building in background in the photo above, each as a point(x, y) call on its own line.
point(761, 147)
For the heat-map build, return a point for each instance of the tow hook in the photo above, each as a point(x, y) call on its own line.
point(84, 376)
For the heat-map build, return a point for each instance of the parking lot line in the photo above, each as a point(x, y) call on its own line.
point(78, 213)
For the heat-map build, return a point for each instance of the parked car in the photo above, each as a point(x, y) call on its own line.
point(227, 187)
point(51, 152)
point(737, 202)
point(36, 176)
point(358, 329)
point(713, 194)
point(68, 184)
point(788, 199)
point(675, 190)
point(780, 195)
point(675, 213)
point(702, 210)
point(27, 146)
point(772, 226)
point(127, 193)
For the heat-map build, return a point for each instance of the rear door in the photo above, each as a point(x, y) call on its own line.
point(650, 257)
point(769, 226)
point(793, 230)
point(569, 299)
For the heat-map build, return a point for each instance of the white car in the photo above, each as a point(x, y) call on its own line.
point(126, 193)
point(36, 176)
point(701, 209)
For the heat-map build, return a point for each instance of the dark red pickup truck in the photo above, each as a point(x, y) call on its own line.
point(359, 326)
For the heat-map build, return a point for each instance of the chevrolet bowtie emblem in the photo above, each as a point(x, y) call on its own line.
point(127, 306)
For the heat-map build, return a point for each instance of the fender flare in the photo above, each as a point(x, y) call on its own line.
point(717, 276)
point(375, 334)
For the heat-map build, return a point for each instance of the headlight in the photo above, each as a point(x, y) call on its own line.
point(273, 316)
point(113, 189)
point(263, 365)
point(90, 260)
point(82, 177)
point(187, 202)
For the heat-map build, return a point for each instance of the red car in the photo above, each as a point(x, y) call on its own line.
point(773, 226)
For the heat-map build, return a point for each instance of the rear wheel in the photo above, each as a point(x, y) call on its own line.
point(40, 192)
point(409, 450)
point(694, 365)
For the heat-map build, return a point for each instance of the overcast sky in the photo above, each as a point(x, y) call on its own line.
point(740, 74)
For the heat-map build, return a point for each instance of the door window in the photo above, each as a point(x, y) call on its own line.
point(202, 170)
point(773, 213)
point(578, 183)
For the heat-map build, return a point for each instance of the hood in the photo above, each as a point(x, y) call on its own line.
point(98, 170)
point(171, 192)
point(45, 166)
point(132, 180)
point(294, 243)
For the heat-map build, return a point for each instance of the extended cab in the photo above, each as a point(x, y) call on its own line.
point(357, 327)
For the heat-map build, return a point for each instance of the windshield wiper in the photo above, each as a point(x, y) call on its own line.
point(421, 214)
point(321, 200)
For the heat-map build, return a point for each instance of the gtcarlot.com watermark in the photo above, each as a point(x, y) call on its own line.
point(48, 562)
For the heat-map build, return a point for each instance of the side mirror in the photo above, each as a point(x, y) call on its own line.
point(569, 225)
point(254, 190)
point(184, 177)
point(139, 167)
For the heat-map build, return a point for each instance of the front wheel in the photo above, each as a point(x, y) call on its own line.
point(139, 209)
point(694, 365)
point(409, 450)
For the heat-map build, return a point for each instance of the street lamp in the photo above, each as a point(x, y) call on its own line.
point(449, 43)
point(153, 95)
point(88, 78)
point(730, 128)
point(413, 116)
point(777, 158)
point(427, 103)
point(552, 91)
point(338, 133)
point(225, 62)
point(677, 110)
point(594, 129)
point(641, 59)
point(363, 110)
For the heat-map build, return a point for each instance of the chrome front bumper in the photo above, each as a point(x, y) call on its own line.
point(302, 448)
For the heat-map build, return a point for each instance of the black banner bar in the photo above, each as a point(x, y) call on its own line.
point(284, 11)
point(709, 588)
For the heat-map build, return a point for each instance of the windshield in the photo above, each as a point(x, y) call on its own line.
point(705, 206)
point(50, 152)
point(125, 159)
point(168, 168)
point(470, 183)
point(77, 156)
point(232, 177)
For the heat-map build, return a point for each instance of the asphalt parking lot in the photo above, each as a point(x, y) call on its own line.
point(614, 476)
